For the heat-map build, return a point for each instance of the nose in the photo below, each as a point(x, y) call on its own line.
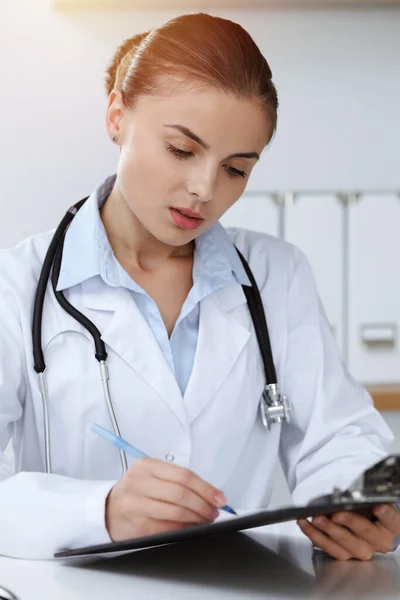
point(203, 186)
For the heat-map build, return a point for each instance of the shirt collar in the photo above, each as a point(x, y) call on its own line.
point(81, 253)
point(214, 247)
point(87, 252)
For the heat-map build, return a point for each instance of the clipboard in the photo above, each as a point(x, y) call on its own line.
point(380, 484)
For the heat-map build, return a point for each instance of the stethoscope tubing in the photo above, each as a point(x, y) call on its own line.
point(51, 270)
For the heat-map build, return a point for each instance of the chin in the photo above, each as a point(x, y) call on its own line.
point(176, 238)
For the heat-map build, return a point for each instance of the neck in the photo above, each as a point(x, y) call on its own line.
point(131, 241)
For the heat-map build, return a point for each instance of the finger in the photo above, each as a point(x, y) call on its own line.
point(187, 478)
point(377, 537)
point(164, 511)
point(177, 495)
point(355, 545)
point(388, 516)
point(323, 541)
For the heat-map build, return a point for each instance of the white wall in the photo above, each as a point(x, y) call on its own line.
point(337, 73)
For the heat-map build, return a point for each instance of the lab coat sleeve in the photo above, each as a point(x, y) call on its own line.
point(39, 513)
point(335, 432)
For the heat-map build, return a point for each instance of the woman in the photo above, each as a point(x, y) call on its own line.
point(191, 107)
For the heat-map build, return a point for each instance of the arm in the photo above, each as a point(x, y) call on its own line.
point(336, 432)
point(39, 513)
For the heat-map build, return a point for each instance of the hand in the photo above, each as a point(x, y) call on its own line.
point(154, 496)
point(348, 535)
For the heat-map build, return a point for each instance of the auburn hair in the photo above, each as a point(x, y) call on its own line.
point(194, 50)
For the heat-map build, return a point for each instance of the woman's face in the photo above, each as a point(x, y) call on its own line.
point(192, 151)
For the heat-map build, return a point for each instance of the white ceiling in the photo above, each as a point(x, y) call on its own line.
point(204, 4)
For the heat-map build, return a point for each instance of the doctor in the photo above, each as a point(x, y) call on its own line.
point(191, 108)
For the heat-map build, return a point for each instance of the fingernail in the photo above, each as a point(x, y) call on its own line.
point(383, 511)
point(318, 521)
point(220, 499)
point(215, 513)
point(301, 523)
point(340, 518)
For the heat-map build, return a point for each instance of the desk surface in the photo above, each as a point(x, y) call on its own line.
point(385, 396)
point(270, 562)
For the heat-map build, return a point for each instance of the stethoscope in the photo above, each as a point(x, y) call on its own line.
point(6, 594)
point(274, 407)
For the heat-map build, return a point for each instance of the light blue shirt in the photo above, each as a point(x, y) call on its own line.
point(87, 253)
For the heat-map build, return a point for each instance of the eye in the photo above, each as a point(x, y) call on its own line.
point(177, 152)
point(235, 172)
point(232, 172)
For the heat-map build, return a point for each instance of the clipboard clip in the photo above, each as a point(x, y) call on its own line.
point(379, 481)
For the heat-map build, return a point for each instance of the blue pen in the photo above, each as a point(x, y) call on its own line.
point(125, 446)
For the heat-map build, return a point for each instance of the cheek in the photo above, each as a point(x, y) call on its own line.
point(134, 166)
point(149, 170)
point(148, 184)
point(137, 179)
point(226, 199)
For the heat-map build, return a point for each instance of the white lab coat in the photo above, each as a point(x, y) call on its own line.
point(214, 430)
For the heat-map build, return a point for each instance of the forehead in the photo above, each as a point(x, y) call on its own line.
point(222, 120)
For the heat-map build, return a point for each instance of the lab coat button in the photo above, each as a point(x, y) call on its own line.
point(169, 457)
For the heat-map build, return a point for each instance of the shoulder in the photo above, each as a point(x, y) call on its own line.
point(20, 266)
point(268, 256)
point(257, 243)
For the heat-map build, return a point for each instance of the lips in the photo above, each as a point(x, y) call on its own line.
point(187, 212)
point(183, 220)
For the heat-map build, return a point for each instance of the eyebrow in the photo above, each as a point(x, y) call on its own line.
point(204, 145)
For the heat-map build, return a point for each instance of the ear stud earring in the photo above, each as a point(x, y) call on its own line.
point(115, 138)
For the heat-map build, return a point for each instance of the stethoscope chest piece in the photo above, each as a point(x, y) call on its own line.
point(274, 407)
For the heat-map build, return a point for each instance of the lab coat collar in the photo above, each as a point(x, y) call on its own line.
point(86, 239)
point(129, 335)
point(227, 336)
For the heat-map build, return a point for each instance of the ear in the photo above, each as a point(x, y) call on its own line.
point(115, 113)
